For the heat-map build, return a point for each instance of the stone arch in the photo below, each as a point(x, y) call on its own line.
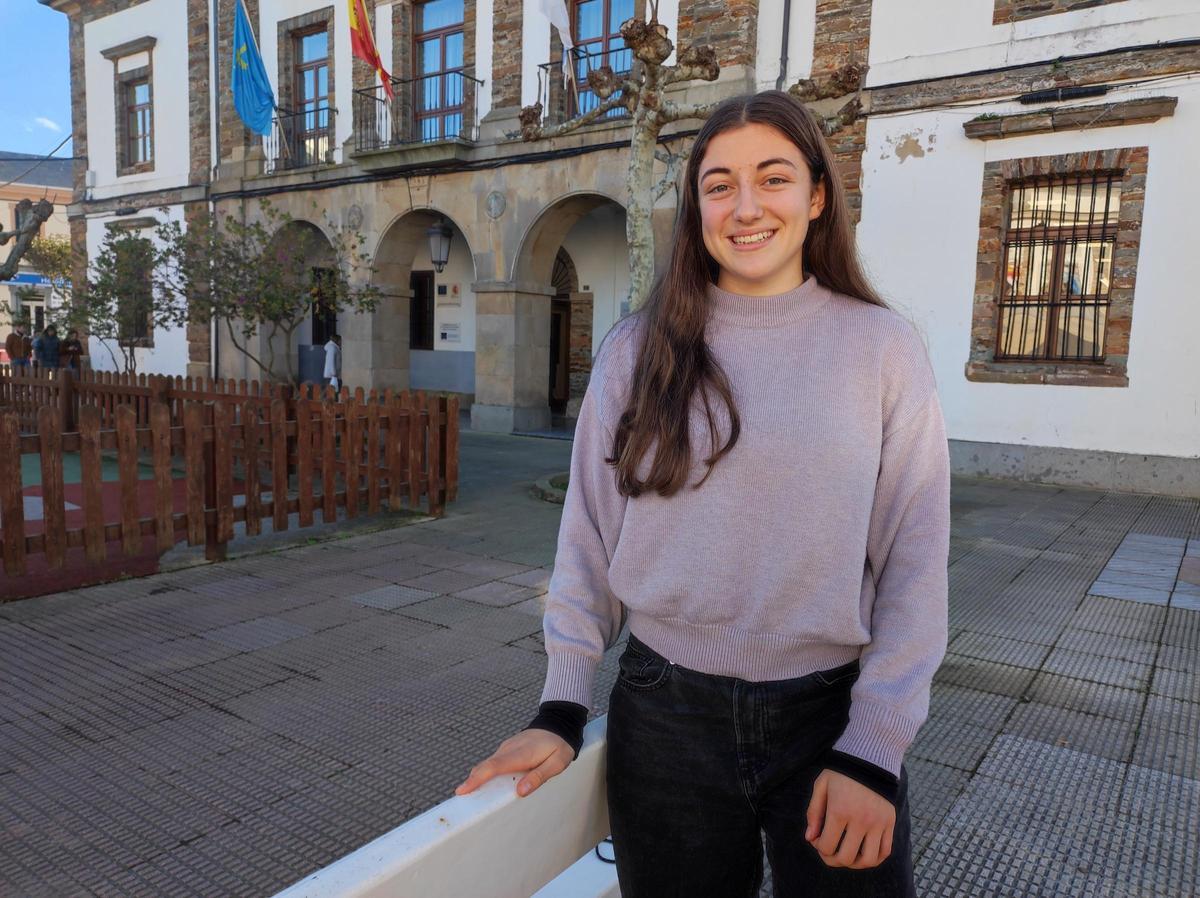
point(584, 298)
point(534, 263)
point(384, 338)
point(311, 242)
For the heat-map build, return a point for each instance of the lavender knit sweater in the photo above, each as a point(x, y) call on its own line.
point(820, 538)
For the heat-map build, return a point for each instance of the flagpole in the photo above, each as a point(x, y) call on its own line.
point(216, 55)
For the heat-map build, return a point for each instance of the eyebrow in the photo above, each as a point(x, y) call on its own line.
point(778, 160)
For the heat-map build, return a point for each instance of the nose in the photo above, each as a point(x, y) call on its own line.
point(748, 208)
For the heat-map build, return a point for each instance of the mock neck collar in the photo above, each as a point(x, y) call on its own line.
point(776, 310)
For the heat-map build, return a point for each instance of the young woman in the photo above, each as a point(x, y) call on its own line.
point(760, 486)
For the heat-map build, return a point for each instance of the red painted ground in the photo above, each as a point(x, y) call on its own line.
point(40, 579)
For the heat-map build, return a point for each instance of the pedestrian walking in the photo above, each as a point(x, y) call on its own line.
point(46, 348)
point(71, 351)
point(18, 347)
point(759, 487)
point(333, 361)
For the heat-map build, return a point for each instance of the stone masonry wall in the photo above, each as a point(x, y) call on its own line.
point(1018, 10)
point(731, 29)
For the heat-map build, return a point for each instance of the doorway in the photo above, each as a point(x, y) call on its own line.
point(560, 361)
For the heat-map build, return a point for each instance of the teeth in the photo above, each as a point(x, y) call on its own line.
point(754, 238)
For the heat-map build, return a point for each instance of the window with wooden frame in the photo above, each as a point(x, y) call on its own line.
point(438, 100)
point(598, 42)
point(133, 104)
point(139, 122)
point(1058, 250)
point(311, 136)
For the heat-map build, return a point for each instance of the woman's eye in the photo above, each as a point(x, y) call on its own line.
point(715, 189)
point(781, 180)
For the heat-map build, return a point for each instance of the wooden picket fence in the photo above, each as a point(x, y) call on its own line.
point(27, 391)
point(312, 452)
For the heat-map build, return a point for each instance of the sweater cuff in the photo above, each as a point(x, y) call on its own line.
point(878, 735)
point(570, 677)
point(564, 719)
point(875, 778)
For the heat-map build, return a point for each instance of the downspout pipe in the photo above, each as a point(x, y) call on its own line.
point(783, 49)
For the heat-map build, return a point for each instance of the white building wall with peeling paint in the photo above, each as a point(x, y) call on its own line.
point(922, 181)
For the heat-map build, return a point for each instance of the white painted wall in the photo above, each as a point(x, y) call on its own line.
point(802, 23)
point(922, 180)
point(597, 245)
point(383, 34)
point(483, 55)
point(271, 12)
point(535, 49)
point(460, 272)
point(169, 355)
point(905, 46)
point(668, 14)
point(163, 20)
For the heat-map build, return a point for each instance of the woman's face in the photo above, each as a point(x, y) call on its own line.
point(756, 200)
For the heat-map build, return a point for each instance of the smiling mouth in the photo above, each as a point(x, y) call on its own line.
point(752, 240)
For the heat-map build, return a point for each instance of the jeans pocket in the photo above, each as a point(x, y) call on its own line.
point(641, 672)
point(837, 676)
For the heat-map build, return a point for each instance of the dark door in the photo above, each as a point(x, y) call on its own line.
point(420, 315)
point(560, 348)
point(324, 317)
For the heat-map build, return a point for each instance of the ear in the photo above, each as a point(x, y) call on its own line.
point(817, 200)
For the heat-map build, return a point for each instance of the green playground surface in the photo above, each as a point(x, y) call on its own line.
point(31, 469)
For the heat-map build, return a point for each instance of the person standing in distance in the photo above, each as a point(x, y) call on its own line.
point(18, 347)
point(781, 653)
point(333, 361)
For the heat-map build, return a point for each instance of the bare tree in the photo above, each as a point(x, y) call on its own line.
point(30, 217)
point(642, 92)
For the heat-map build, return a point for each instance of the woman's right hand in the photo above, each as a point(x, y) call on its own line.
point(540, 752)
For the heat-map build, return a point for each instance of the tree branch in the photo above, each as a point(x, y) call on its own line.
point(243, 350)
point(670, 111)
point(671, 176)
point(531, 114)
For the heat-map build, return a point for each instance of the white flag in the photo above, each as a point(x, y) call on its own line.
point(560, 18)
point(556, 12)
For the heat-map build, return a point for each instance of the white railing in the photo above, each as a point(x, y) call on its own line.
point(490, 844)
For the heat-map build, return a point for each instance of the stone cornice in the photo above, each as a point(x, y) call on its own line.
point(129, 48)
point(1071, 118)
point(1097, 68)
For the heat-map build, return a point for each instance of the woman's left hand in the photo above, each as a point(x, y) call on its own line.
point(840, 806)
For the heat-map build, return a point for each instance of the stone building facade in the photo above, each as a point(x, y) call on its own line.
point(958, 120)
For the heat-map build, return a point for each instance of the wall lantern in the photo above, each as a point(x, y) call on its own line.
point(439, 244)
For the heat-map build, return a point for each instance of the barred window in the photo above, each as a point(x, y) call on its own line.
point(1059, 240)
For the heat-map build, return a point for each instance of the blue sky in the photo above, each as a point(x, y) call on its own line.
point(35, 69)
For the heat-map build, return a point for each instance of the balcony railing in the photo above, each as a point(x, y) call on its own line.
point(428, 109)
point(565, 101)
point(302, 138)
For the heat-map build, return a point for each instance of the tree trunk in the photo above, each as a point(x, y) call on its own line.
point(639, 226)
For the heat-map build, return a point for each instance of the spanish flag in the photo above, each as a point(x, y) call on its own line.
point(362, 43)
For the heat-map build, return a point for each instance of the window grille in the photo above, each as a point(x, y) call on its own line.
point(1060, 235)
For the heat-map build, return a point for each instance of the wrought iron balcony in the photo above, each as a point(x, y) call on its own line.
point(562, 100)
point(302, 138)
point(427, 109)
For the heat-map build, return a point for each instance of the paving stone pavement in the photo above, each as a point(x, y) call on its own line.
point(225, 730)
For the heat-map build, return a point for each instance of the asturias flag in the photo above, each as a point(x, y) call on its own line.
point(252, 94)
point(362, 43)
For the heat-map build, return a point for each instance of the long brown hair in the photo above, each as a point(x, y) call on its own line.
point(674, 363)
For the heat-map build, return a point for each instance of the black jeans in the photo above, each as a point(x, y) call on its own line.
point(699, 765)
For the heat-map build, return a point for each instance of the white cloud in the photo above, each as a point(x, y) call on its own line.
point(48, 124)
